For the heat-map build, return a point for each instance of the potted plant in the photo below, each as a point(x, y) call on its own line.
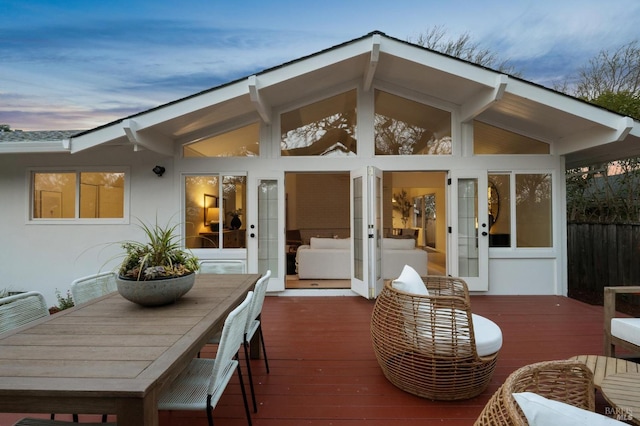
point(157, 271)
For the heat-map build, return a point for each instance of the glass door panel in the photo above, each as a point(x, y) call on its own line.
point(471, 229)
point(268, 258)
point(366, 213)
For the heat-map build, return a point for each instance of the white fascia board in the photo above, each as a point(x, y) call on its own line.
point(254, 94)
point(192, 104)
point(96, 137)
point(34, 147)
point(596, 137)
point(440, 62)
point(479, 103)
point(315, 62)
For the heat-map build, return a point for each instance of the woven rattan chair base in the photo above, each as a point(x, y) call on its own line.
point(425, 344)
point(567, 381)
point(438, 379)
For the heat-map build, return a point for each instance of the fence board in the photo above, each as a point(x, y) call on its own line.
point(601, 255)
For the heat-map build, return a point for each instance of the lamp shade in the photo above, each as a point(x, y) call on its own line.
point(213, 215)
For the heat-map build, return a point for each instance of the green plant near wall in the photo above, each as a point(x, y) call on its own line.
point(403, 204)
point(64, 302)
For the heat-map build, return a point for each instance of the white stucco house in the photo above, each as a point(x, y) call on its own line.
point(363, 141)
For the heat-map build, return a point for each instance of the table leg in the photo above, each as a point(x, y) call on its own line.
point(138, 411)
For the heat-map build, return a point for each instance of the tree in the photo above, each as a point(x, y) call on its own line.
point(464, 48)
point(610, 72)
point(5, 128)
point(625, 103)
point(607, 192)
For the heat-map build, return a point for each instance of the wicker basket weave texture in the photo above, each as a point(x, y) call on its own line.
point(425, 345)
point(565, 381)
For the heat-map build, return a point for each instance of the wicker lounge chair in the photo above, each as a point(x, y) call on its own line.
point(567, 381)
point(426, 344)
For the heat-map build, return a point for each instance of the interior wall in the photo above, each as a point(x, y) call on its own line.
point(318, 204)
point(418, 184)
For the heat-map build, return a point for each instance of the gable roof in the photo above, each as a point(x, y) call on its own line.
point(583, 132)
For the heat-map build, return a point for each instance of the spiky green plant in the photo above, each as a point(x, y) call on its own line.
point(161, 256)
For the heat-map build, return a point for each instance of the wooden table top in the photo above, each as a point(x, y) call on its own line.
point(603, 366)
point(622, 391)
point(90, 358)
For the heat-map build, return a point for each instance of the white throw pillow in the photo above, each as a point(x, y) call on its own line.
point(410, 281)
point(542, 411)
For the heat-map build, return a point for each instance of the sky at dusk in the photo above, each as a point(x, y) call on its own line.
point(79, 64)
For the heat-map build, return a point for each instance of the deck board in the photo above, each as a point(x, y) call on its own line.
point(324, 371)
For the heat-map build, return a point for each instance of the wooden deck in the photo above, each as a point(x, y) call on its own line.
point(324, 372)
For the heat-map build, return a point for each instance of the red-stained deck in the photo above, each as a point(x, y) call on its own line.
point(324, 372)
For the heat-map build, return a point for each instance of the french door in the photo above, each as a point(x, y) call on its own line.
point(469, 230)
point(366, 226)
point(265, 236)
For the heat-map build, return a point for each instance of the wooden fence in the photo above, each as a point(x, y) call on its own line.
point(601, 255)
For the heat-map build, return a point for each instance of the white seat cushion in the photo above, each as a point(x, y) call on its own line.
point(626, 329)
point(542, 411)
point(488, 335)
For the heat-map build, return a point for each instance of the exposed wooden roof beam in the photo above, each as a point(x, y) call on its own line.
point(370, 72)
point(157, 144)
point(256, 99)
point(476, 105)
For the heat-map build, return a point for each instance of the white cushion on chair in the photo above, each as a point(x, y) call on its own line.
point(488, 335)
point(626, 329)
point(410, 281)
point(542, 411)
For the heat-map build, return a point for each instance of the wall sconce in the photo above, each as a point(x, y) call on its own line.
point(159, 170)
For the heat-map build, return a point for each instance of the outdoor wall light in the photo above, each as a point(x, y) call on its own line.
point(159, 170)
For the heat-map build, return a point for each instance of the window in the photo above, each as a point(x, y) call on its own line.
point(215, 211)
point(242, 142)
point(533, 210)
point(406, 127)
point(499, 196)
point(324, 128)
point(488, 139)
point(78, 195)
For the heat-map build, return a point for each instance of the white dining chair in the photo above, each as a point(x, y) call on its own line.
point(252, 326)
point(223, 266)
point(21, 309)
point(202, 383)
point(93, 286)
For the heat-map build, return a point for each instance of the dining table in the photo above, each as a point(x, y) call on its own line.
point(111, 355)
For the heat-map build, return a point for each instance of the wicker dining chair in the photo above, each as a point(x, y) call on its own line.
point(21, 309)
point(225, 266)
point(567, 381)
point(426, 345)
point(87, 288)
point(253, 326)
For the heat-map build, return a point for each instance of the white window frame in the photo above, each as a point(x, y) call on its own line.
point(77, 219)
